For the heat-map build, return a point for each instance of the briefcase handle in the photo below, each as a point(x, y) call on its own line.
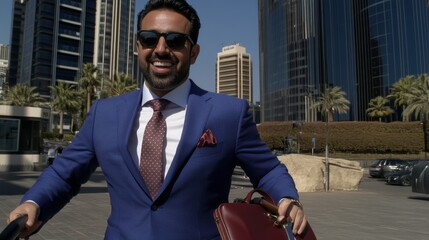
point(265, 201)
point(268, 204)
point(265, 196)
point(12, 230)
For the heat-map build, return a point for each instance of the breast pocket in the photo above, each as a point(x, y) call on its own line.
point(207, 151)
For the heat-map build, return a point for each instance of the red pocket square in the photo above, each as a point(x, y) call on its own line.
point(207, 139)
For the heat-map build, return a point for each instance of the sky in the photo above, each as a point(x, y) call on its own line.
point(223, 23)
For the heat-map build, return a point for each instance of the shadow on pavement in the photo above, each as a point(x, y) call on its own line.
point(423, 198)
point(18, 183)
point(93, 190)
point(11, 189)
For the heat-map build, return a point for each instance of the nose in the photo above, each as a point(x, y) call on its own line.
point(162, 46)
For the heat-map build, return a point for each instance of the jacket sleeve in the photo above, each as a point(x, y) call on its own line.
point(62, 180)
point(263, 168)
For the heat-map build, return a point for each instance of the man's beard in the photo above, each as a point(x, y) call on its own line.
point(166, 82)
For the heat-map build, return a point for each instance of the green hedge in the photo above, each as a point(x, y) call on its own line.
point(350, 137)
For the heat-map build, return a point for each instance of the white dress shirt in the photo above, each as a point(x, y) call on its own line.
point(174, 115)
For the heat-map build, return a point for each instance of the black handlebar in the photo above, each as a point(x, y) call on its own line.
point(12, 230)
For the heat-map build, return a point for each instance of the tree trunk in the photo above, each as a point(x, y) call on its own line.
point(331, 116)
point(61, 122)
point(72, 123)
point(88, 100)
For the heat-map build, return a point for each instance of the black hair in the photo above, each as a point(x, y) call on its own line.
point(179, 6)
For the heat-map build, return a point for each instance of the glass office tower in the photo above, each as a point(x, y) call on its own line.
point(391, 43)
point(363, 46)
point(52, 39)
point(18, 19)
point(290, 55)
point(115, 37)
point(57, 39)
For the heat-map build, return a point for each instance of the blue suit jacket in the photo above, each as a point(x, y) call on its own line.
point(198, 181)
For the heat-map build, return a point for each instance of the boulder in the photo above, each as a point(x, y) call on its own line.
point(308, 172)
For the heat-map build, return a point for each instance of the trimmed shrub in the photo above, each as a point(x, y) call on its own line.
point(348, 137)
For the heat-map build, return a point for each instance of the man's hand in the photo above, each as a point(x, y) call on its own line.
point(32, 211)
point(290, 210)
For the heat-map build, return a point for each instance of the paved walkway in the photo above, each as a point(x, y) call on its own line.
point(376, 211)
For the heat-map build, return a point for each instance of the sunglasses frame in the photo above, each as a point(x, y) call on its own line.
point(165, 36)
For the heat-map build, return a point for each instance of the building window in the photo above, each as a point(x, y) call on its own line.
point(9, 134)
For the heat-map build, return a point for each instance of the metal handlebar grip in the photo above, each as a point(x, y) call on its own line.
point(12, 230)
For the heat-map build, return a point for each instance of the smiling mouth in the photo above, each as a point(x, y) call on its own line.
point(162, 64)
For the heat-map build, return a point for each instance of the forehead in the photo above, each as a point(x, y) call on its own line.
point(165, 20)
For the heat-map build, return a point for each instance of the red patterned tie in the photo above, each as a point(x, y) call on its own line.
point(152, 148)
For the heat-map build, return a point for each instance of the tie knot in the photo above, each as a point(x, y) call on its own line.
point(158, 104)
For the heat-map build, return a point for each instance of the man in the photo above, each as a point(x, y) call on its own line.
point(51, 155)
point(207, 136)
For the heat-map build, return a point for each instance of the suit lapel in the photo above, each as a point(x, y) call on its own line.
point(128, 111)
point(198, 110)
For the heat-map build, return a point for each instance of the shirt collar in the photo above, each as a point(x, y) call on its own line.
point(178, 96)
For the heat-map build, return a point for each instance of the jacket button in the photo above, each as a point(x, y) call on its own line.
point(154, 207)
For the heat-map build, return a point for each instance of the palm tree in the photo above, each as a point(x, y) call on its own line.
point(75, 109)
point(378, 108)
point(399, 91)
point(418, 103)
point(120, 84)
point(65, 98)
point(89, 80)
point(5, 89)
point(418, 99)
point(331, 101)
point(23, 95)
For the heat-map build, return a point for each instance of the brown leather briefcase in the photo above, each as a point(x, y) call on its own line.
point(254, 219)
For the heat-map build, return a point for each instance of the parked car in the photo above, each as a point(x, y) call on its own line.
point(380, 167)
point(375, 168)
point(394, 165)
point(401, 177)
point(420, 177)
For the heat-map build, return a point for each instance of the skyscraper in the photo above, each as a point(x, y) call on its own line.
point(53, 39)
point(290, 55)
point(16, 41)
point(363, 46)
point(391, 43)
point(57, 38)
point(234, 72)
point(115, 37)
point(4, 63)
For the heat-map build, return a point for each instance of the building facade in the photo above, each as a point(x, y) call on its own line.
point(53, 39)
point(234, 72)
point(18, 20)
point(390, 44)
point(4, 64)
point(57, 39)
point(363, 46)
point(115, 38)
point(21, 142)
point(290, 54)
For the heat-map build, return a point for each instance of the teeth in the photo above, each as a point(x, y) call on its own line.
point(162, 64)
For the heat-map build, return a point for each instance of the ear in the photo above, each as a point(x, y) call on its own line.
point(137, 45)
point(194, 53)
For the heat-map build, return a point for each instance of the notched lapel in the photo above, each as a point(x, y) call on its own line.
point(195, 122)
point(128, 110)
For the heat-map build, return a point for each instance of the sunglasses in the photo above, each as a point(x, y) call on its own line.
point(174, 40)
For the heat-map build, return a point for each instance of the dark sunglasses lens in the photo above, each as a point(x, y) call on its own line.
point(175, 41)
point(148, 39)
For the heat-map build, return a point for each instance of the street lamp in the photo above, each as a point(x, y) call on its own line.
point(326, 177)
